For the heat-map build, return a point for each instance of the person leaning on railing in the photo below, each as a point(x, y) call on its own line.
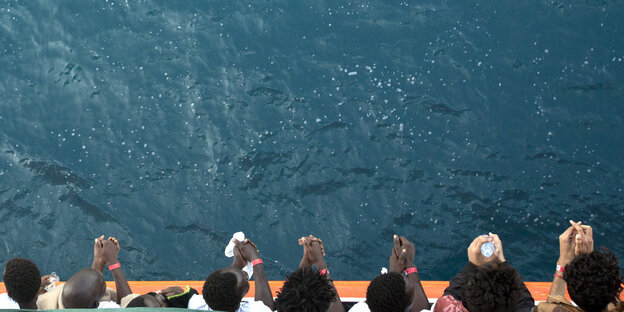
point(225, 288)
point(592, 278)
point(393, 291)
point(23, 284)
point(309, 289)
point(87, 288)
point(486, 283)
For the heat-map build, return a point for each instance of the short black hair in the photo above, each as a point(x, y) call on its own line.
point(387, 293)
point(137, 302)
point(594, 280)
point(220, 291)
point(305, 290)
point(494, 287)
point(22, 279)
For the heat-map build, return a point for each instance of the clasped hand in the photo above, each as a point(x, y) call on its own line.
point(574, 241)
point(245, 251)
point(402, 256)
point(313, 252)
point(105, 251)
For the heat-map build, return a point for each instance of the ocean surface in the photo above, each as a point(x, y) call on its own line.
point(172, 124)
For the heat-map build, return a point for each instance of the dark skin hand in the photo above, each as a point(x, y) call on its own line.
point(575, 240)
point(171, 291)
point(305, 259)
point(313, 254)
point(45, 281)
point(105, 253)
point(249, 252)
point(474, 250)
point(402, 258)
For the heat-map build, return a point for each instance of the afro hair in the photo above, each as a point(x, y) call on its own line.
point(220, 291)
point(594, 280)
point(22, 279)
point(493, 287)
point(305, 290)
point(387, 293)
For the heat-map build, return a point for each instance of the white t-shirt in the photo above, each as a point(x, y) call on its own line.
point(108, 305)
point(197, 302)
point(363, 307)
point(7, 303)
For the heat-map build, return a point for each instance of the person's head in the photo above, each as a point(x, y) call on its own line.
point(389, 292)
point(494, 287)
point(22, 280)
point(305, 290)
point(84, 290)
point(151, 300)
point(594, 280)
point(224, 289)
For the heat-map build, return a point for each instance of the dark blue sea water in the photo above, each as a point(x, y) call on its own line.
point(173, 124)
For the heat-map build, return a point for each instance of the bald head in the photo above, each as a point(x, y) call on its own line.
point(84, 290)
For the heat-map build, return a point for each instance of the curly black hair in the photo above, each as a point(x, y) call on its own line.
point(143, 301)
point(305, 290)
point(594, 280)
point(220, 291)
point(137, 302)
point(22, 280)
point(493, 287)
point(387, 293)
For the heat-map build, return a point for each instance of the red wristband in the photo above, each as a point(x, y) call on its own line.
point(114, 266)
point(559, 276)
point(560, 268)
point(323, 272)
point(411, 270)
point(257, 261)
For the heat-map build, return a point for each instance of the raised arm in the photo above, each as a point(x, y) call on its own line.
point(262, 288)
point(109, 257)
point(402, 260)
point(313, 248)
point(574, 241)
point(98, 263)
point(566, 255)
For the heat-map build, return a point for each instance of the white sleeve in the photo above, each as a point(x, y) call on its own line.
point(360, 307)
point(7, 303)
point(197, 302)
point(253, 306)
point(108, 305)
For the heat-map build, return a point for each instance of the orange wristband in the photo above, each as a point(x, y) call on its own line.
point(257, 261)
point(114, 266)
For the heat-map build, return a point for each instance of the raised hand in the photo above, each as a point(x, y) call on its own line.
point(98, 264)
point(247, 248)
point(114, 240)
point(402, 256)
point(474, 251)
point(584, 240)
point(567, 245)
point(305, 259)
point(109, 251)
point(498, 247)
point(397, 256)
point(313, 248)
